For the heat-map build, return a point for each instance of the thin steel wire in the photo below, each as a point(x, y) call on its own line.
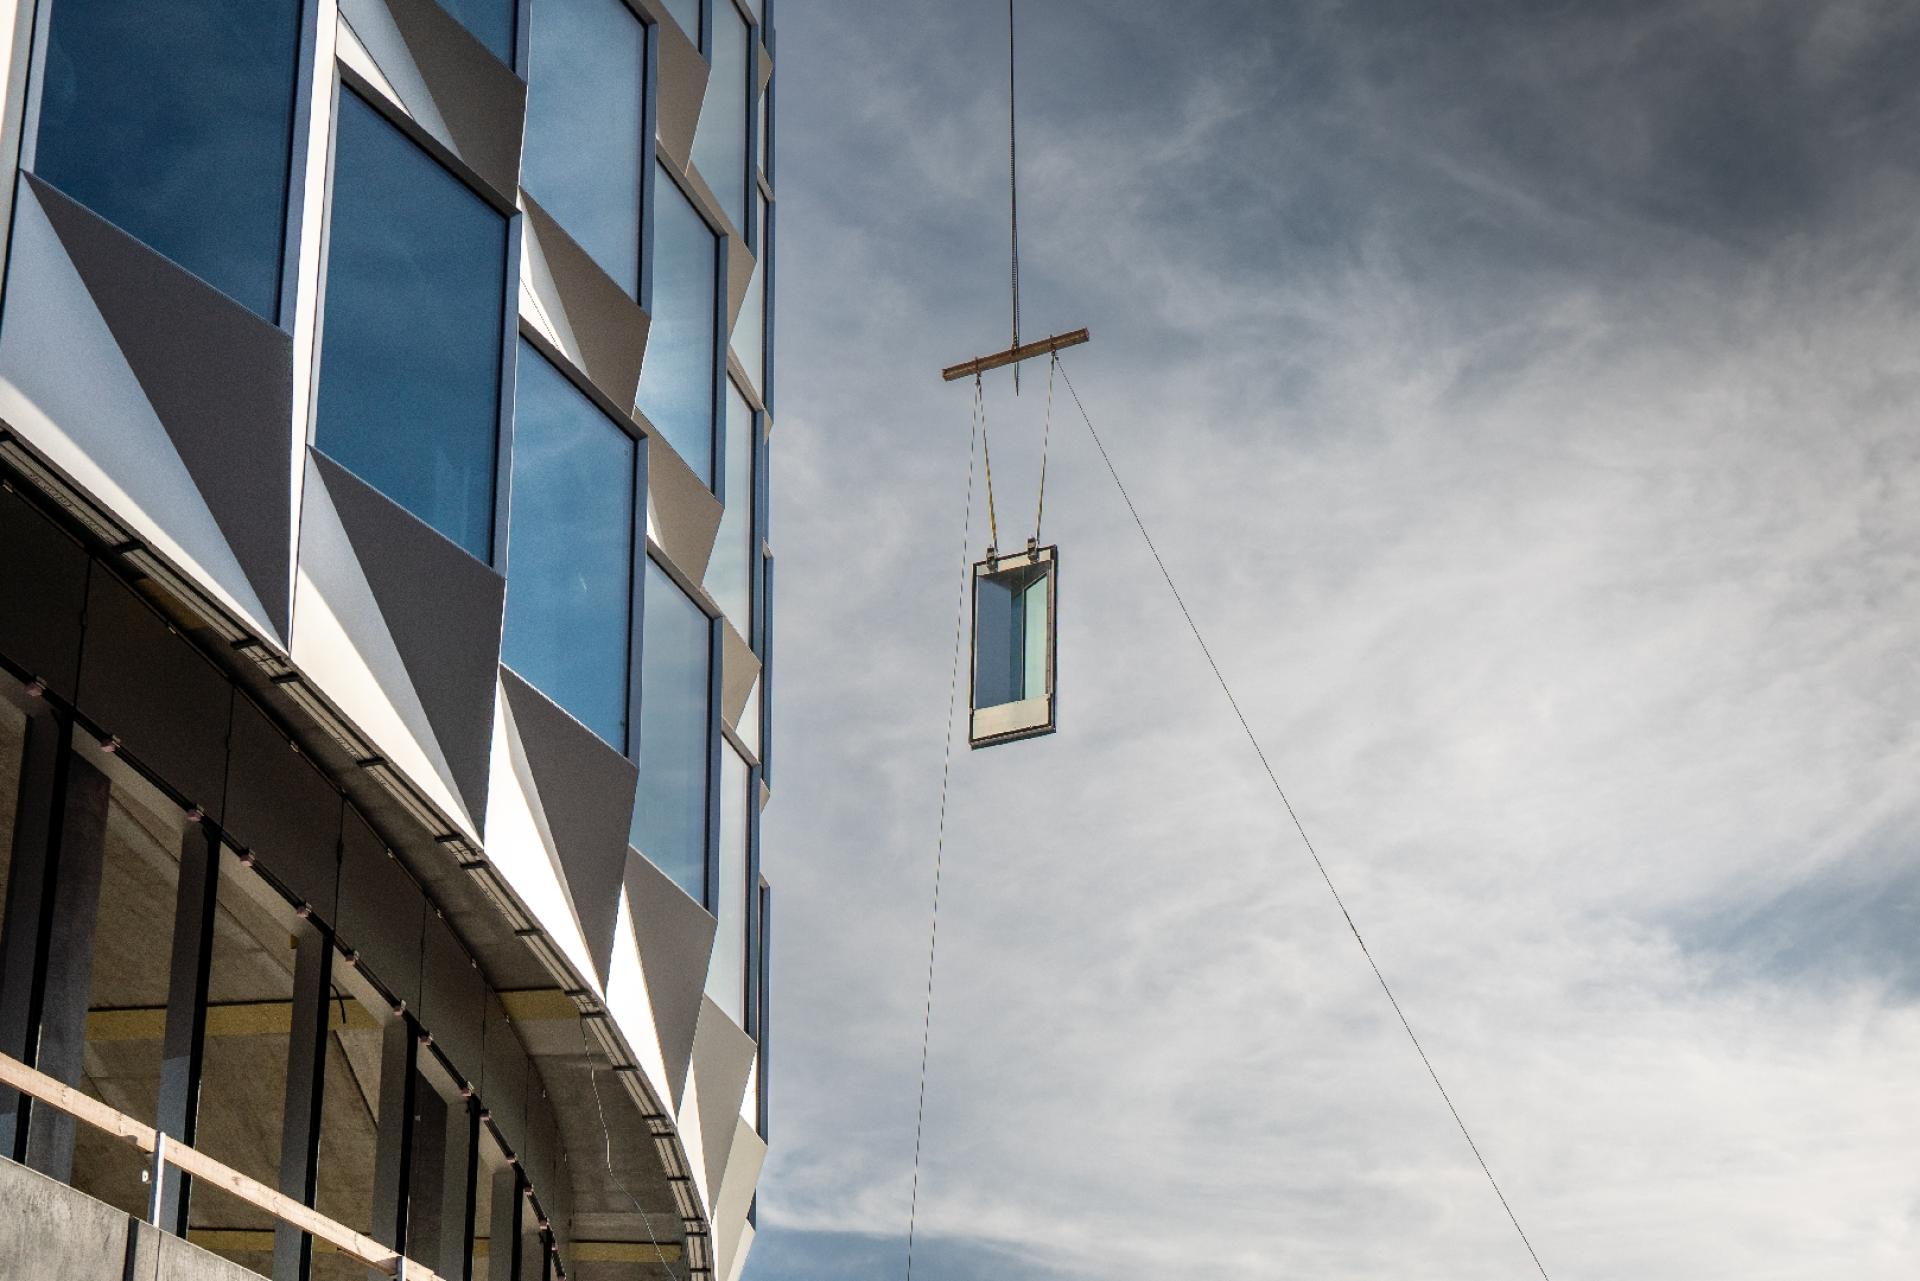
point(1320, 866)
point(986, 450)
point(940, 844)
point(1013, 189)
point(606, 1133)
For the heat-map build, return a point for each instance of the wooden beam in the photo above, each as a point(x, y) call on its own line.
point(1014, 355)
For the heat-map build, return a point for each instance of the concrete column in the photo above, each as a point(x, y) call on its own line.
point(23, 936)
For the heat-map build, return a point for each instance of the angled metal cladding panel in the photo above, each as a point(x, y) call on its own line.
point(503, 1085)
point(587, 794)
point(382, 912)
point(283, 809)
point(675, 936)
point(722, 1062)
point(745, 1155)
point(443, 609)
point(144, 682)
point(474, 105)
point(452, 998)
point(683, 516)
point(43, 595)
point(219, 377)
point(681, 89)
point(607, 328)
point(67, 389)
point(739, 668)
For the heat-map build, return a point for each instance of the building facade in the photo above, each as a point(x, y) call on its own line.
point(385, 617)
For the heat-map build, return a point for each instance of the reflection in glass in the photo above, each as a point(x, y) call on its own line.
point(730, 571)
point(586, 103)
point(244, 1074)
point(720, 142)
point(670, 816)
point(410, 353)
point(173, 122)
point(677, 382)
point(490, 21)
point(570, 549)
point(727, 975)
point(349, 1113)
point(121, 952)
point(1010, 636)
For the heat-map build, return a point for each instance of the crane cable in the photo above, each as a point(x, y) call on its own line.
point(1298, 826)
point(946, 774)
point(1013, 191)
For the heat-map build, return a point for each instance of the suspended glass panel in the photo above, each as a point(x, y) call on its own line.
point(730, 571)
point(676, 735)
point(570, 549)
point(720, 143)
point(410, 351)
point(680, 376)
point(173, 121)
point(586, 103)
point(1013, 646)
point(490, 21)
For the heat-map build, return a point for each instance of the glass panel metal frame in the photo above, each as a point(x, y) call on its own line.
point(1032, 714)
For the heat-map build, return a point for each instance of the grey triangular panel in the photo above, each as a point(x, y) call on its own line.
point(219, 378)
point(586, 791)
point(676, 942)
point(443, 609)
point(682, 89)
point(722, 1061)
point(483, 103)
point(609, 326)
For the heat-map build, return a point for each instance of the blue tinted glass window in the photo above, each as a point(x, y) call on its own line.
point(411, 344)
point(678, 379)
point(720, 143)
point(570, 549)
point(670, 815)
point(491, 21)
point(174, 122)
point(1009, 637)
point(730, 571)
point(586, 99)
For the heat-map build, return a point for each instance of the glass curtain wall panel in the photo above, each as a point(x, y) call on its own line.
point(720, 143)
point(585, 145)
point(244, 1079)
point(727, 975)
point(13, 746)
point(350, 1113)
point(678, 380)
point(490, 21)
point(174, 122)
point(410, 350)
point(570, 549)
point(730, 572)
point(670, 814)
point(114, 933)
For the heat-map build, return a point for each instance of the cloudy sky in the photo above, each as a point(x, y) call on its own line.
point(1523, 396)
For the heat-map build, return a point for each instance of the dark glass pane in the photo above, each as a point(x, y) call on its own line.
point(730, 571)
point(586, 99)
point(570, 549)
point(677, 382)
point(173, 122)
point(670, 817)
point(491, 21)
point(410, 350)
point(720, 144)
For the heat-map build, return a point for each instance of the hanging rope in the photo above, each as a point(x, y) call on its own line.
point(1046, 434)
point(986, 449)
point(979, 434)
point(1320, 866)
point(1013, 190)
